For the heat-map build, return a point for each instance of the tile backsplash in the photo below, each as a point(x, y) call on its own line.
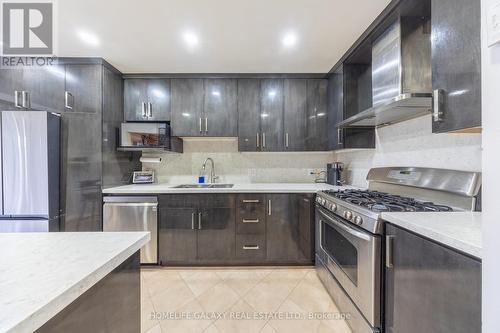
point(235, 167)
point(412, 143)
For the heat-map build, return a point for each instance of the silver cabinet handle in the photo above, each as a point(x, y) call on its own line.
point(258, 143)
point(250, 200)
point(389, 249)
point(16, 99)
point(69, 100)
point(250, 221)
point(150, 110)
point(206, 125)
point(339, 136)
point(199, 220)
point(269, 208)
point(201, 131)
point(26, 99)
point(144, 111)
point(263, 140)
point(437, 105)
point(286, 140)
point(250, 247)
point(192, 220)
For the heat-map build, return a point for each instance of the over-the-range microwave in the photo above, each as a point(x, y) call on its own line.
point(148, 136)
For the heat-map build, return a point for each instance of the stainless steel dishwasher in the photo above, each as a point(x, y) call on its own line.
point(134, 214)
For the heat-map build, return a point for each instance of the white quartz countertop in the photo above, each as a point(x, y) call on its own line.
point(458, 230)
point(237, 188)
point(42, 273)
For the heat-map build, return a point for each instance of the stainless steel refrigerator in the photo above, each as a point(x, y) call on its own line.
point(29, 171)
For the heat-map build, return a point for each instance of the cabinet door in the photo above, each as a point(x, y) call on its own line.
point(305, 215)
point(430, 288)
point(135, 96)
point(11, 80)
point(158, 91)
point(176, 232)
point(45, 87)
point(220, 107)
point(282, 230)
point(295, 114)
point(317, 124)
point(216, 229)
point(456, 62)
point(187, 107)
point(83, 82)
point(272, 115)
point(335, 111)
point(249, 115)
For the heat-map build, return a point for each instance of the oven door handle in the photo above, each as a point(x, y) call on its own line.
point(346, 228)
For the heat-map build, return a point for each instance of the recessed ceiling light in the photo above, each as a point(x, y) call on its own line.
point(191, 39)
point(88, 37)
point(289, 40)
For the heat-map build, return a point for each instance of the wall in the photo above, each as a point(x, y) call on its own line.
point(491, 179)
point(235, 167)
point(411, 143)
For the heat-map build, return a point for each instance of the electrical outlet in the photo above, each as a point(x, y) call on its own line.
point(493, 23)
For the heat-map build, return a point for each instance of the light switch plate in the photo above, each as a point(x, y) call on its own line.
point(493, 22)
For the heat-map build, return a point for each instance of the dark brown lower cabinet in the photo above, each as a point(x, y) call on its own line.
point(284, 221)
point(220, 229)
point(429, 287)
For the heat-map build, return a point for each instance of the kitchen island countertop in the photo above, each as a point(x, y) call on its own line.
point(42, 273)
point(458, 230)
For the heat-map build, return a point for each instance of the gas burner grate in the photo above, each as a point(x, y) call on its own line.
point(386, 202)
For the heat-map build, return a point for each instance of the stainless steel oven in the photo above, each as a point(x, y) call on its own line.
point(353, 257)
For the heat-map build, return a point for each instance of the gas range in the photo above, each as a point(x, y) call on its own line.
point(402, 190)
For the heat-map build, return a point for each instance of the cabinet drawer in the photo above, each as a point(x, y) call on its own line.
point(250, 246)
point(251, 214)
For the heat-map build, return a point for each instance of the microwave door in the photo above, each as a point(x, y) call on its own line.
point(25, 164)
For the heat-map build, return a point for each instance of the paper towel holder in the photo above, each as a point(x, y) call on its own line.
point(150, 159)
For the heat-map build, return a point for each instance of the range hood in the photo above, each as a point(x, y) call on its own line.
point(401, 75)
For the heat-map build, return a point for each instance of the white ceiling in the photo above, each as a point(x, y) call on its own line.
point(234, 36)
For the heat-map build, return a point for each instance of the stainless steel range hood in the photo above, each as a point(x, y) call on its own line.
point(401, 75)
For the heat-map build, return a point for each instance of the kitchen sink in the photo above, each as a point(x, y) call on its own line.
point(204, 186)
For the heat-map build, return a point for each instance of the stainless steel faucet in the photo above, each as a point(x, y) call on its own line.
point(213, 177)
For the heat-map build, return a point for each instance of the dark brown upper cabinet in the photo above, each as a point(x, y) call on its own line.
point(249, 115)
point(456, 64)
point(204, 107)
point(147, 100)
point(295, 114)
point(271, 115)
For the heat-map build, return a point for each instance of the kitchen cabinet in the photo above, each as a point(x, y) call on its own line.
point(216, 227)
point(295, 114)
point(272, 138)
point(178, 218)
point(147, 100)
point(195, 229)
point(456, 64)
point(82, 88)
point(187, 107)
point(344, 138)
point(12, 81)
point(220, 108)
point(429, 287)
point(283, 230)
point(316, 115)
point(249, 115)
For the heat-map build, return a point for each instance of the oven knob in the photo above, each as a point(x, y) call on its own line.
point(348, 214)
point(358, 220)
point(333, 208)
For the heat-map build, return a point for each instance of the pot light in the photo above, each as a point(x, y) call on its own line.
point(289, 40)
point(191, 39)
point(88, 38)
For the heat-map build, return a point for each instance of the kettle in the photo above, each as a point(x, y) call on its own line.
point(334, 173)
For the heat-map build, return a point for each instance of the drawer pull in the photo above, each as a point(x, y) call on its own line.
point(251, 247)
point(250, 200)
point(250, 221)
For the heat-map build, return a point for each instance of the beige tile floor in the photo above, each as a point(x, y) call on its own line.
point(232, 300)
